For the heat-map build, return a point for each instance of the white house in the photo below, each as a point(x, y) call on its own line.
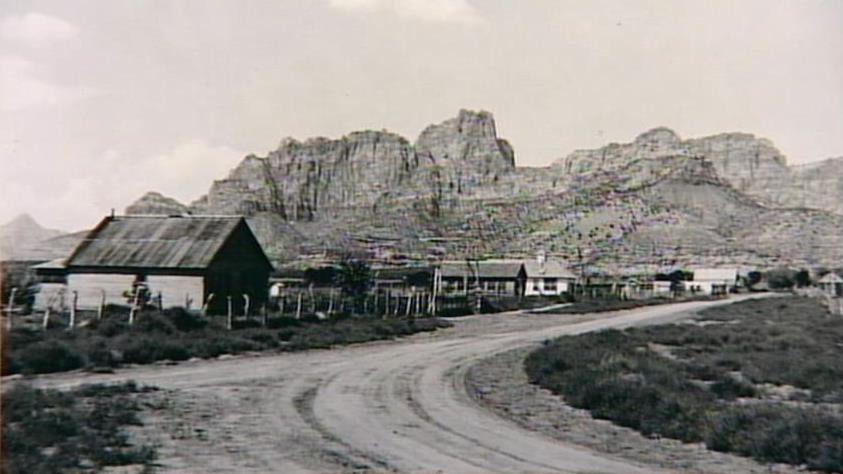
point(713, 281)
point(831, 284)
point(547, 277)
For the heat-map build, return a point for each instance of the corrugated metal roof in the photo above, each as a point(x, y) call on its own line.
point(548, 269)
point(485, 269)
point(154, 242)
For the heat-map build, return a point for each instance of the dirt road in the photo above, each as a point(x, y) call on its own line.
point(392, 406)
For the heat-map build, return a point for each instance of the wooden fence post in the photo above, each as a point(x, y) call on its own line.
point(228, 323)
point(72, 323)
point(102, 304)
point(298, 307)
point(131, 310)
point(264, 314)
point(10, 308)
point(207, 304)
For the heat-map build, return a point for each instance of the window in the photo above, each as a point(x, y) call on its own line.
point(536, 286)
point(550, 284)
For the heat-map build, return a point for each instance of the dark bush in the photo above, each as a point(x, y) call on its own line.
point(153, 322)
point(729, 388)
point(109, 327)
point(246, 323)
point(139, 349)
point(616, 376)
point(282, 322)
point(184, 320)
point(48, 356)
point(47, 431)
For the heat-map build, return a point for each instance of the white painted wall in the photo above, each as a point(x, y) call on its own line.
point(53, 295)
point(540, 290)
point(176, 289)
point(90, 287)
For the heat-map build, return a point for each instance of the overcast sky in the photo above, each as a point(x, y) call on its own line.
point(103, 100)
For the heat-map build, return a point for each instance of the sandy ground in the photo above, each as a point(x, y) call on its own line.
point(396, 406)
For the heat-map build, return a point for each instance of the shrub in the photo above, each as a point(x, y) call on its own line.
point(153, 322)
point(282, 322)
point(48, 356)
point(184, 320)
point(50, 431)
point(148, 349)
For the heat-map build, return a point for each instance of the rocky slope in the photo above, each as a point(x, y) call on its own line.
point(750, 164)
point(156, 203)
point(658, 201)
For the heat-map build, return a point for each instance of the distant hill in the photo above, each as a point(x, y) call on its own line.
point(456, 192)
point(20, 237)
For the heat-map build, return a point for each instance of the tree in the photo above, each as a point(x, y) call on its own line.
point(802, 278)
point(322, 276)
point(753, 278)
point(354, 277)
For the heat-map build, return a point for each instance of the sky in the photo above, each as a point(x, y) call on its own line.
point(101, 101)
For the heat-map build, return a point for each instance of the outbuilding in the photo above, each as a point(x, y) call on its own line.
point(713, 281)
point(494, 277)
point(186, 261)
point(547, 277)
point(831, 284)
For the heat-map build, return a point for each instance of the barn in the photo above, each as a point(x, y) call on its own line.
point(180, 261)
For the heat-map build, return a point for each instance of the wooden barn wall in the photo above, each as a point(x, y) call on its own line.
point(91, 285)
point(177, 290)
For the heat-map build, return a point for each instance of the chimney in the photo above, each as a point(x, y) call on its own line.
point(541, 258)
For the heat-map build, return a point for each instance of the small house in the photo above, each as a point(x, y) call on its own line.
point(713, 281)
point(494, 277)
point(186, 261)
point(831, 284)
point(547, 277)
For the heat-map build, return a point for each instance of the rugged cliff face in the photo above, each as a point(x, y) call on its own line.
point(456, 192)
point(301, 180)
point(750, 164)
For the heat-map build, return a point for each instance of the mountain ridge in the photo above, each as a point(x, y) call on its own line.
point(343, 193)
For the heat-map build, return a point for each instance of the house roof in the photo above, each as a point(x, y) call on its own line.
point(484, 268)
point(155, 242)
point(715, 274)
point(831, 277)
point(548, 269)
point(56, 264)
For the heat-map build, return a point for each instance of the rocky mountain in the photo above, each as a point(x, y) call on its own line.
point(20, 236)
point(750, 164)
point(456, 192)
point(156, 203)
